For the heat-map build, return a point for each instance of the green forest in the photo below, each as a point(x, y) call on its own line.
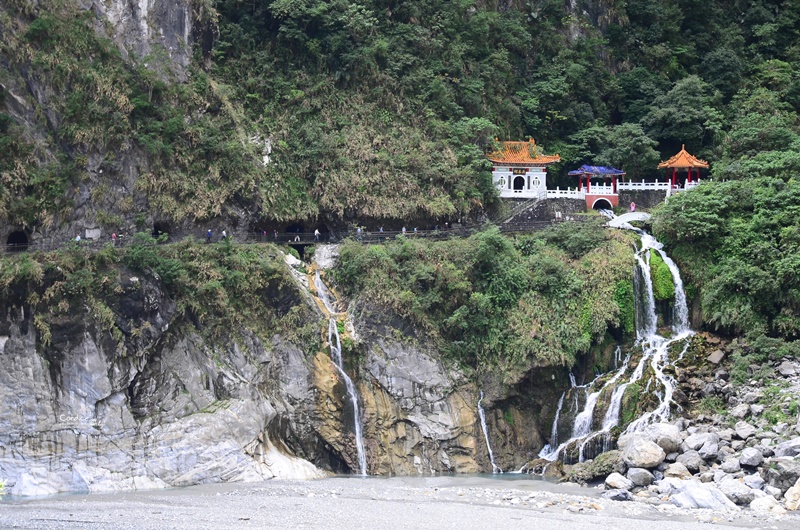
point(383, 110)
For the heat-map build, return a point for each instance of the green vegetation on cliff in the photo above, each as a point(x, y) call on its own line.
point(217, 288)
point(379, 109)
point(489, 300)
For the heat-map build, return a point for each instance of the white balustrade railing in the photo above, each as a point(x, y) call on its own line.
point(635, 186)
point(569, 193)
point(600, 190)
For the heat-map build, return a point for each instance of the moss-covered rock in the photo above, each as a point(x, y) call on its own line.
point(663, 284)
point(602, 466)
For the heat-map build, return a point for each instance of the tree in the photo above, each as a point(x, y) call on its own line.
point(627, 147)
point(682, 115)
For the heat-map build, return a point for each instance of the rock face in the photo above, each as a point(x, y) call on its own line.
point(168, 406)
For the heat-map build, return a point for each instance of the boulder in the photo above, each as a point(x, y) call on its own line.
point(677, 470)
point(709, 451)
point(766, 505)
point(754, 481)
point(744, 430)
point(640, 476)
point(792, 497)
point(716, 356)
point(692, 461)
point(731, 465)
point(736, 491)
point(615, 481)
point(640, 452)
point(665, 435)
point(617, 495)
point(772, 491)
point(740, 411)
point(695, 441)
point(782, 473)
point(786, 368)
point(693, 494)
point(751, 457)
point(790, 448)
point(756, 409)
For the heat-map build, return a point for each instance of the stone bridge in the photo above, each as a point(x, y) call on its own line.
point(628, 218)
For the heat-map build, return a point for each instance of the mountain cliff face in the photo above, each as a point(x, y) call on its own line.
point(169, 404)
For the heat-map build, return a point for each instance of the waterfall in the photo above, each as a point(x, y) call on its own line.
point(336, 354)
point(681, 320)
point(655, 355)
point(482, 415)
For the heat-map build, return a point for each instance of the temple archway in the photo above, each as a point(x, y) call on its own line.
point(17, 241)
point(602, 204)
point(519, 183)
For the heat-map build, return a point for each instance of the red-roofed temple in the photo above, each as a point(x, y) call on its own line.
point(683, 161)
point(520, 169)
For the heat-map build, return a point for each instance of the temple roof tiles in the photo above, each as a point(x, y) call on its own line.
point(521, 153)
point(683, 160)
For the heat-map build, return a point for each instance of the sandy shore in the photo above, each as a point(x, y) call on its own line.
point(355, 503)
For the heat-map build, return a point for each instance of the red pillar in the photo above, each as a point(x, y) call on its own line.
point(614, 183)
point(580, 182)
point(674, 177)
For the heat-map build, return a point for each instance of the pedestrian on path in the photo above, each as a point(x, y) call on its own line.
point(208, 236)
point(316, 234)
point(633, 207)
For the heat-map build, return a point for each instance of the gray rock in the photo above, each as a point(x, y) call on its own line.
point(767, 505)
point(737, 445)
point(751, 457)
point(643, 453)
point(787, 368)
point(792, 497)
point(744, 430)
point(617, 495)
point(716, 356)
point(658, 475)
point(754, 481)
point(773, 491)
point(790, 448)
point(665, 435)
point(615, 481)
point(709, 450)
point(724, 453)
point(640, 476)
point(725, 434)
point(781, 473)
point(695, 441)
point(731, 465)
point(756, 409)
point(692, 460)
point(677, 470)
point(708, 476)
point(736, 491)
point(740, 411)
point(692, 494)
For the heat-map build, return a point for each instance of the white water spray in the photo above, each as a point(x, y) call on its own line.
point(336, 354)
point(482, 414)
point(655, 356)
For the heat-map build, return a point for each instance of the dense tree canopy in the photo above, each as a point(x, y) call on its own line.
point(380, 109)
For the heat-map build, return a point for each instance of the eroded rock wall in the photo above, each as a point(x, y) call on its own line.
point(171, 406)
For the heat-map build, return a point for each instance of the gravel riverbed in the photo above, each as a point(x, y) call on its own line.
point(353, 503)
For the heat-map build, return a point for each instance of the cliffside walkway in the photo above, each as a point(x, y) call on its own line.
point(288, 238)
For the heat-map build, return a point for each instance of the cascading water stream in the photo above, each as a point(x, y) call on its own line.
point(482, 414)
point(336, 354)
point(655, 355)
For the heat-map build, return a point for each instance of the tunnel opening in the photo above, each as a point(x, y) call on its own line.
point(17, 241)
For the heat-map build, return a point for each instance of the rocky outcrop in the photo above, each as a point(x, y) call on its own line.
point(169, 405)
